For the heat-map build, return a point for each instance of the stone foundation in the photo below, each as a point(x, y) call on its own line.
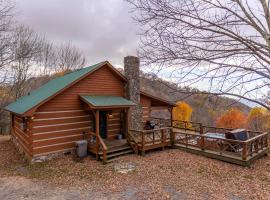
point(43, 158)
point(38, 159)
point(19, 148)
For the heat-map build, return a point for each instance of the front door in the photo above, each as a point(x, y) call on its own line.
point(103, 124)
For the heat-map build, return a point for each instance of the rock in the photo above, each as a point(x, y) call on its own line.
point(124, 168)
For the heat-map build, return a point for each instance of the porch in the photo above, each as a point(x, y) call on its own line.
point(106, 140)
point(111, 116)
point(189, 136)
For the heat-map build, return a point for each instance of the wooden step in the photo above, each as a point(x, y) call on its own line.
point(116, 149)
point(117, 154)
point(113, 159)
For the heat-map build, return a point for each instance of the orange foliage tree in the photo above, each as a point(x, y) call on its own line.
point(233, 118)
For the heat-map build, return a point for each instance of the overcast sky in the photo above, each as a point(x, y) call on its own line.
point(102, 29)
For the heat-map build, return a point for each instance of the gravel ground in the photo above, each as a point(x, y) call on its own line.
point(170, 174)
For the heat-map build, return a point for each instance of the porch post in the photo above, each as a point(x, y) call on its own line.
point(97, 122)
point(11, 128)
point(127, 120)
point(172, 134)
point(171, 113)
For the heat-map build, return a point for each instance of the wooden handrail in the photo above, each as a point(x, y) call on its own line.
point(104, 149)
point(256, 137)
point(147, 139)
point(151, 130)
point(98, 142)
point(244, 149)
point(206, 136)
point(131, 140)
point(191, 122)
point(103, 145)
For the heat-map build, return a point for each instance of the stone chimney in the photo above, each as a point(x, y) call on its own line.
point(132, 73)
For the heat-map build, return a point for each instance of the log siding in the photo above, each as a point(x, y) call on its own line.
point(114, 124)
point(63, 120)
point(146, 108)
point(22, 137)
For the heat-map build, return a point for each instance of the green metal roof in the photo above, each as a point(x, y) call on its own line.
point(106, 101)
point(27, 102)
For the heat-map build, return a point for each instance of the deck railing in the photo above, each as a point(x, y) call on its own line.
point(142, 140)
point(223, 146)
point(194, 126)
point(190, 135)
point(96, 144)
point(161, 122)
point(186, 125)
point(194, 135)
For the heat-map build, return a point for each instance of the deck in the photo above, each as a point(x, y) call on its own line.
point(188, 136)
point(194, 137)
point(236, 152)
point(223, 157)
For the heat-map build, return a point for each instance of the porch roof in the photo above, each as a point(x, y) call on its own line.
point(104, 101)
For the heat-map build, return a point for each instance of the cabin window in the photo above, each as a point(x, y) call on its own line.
point(24, 124)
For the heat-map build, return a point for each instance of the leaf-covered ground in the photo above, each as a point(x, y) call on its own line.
point(169, 174)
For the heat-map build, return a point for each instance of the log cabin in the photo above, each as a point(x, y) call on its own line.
point(97, 102)
point(100, 105)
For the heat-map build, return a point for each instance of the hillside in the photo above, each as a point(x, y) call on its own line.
point(205, 107)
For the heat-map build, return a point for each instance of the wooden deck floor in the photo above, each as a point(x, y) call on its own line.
point(223, 157)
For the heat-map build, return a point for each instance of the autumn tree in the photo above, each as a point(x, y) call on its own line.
point(259, 119)
point(182, 111)
point(223, 44)
point(233, 118)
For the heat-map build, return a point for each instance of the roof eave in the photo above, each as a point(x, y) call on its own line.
point(20, 114)
point(157, 98)
point(95, 107)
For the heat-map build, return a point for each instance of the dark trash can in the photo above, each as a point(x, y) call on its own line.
point(81, 148)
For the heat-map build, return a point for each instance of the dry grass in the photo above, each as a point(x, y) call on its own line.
point(171, 174)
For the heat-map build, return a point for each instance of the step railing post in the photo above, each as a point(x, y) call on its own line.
point(244, 152)
point(104, 156)
point(162, 139)
point(172, 137)
point(202, 137)
point(143, 138)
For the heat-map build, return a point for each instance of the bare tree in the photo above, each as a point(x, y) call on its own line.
point(6, 28)
point(69, 57)
point(48, 58)
point(224, 44)
point(27, 47)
